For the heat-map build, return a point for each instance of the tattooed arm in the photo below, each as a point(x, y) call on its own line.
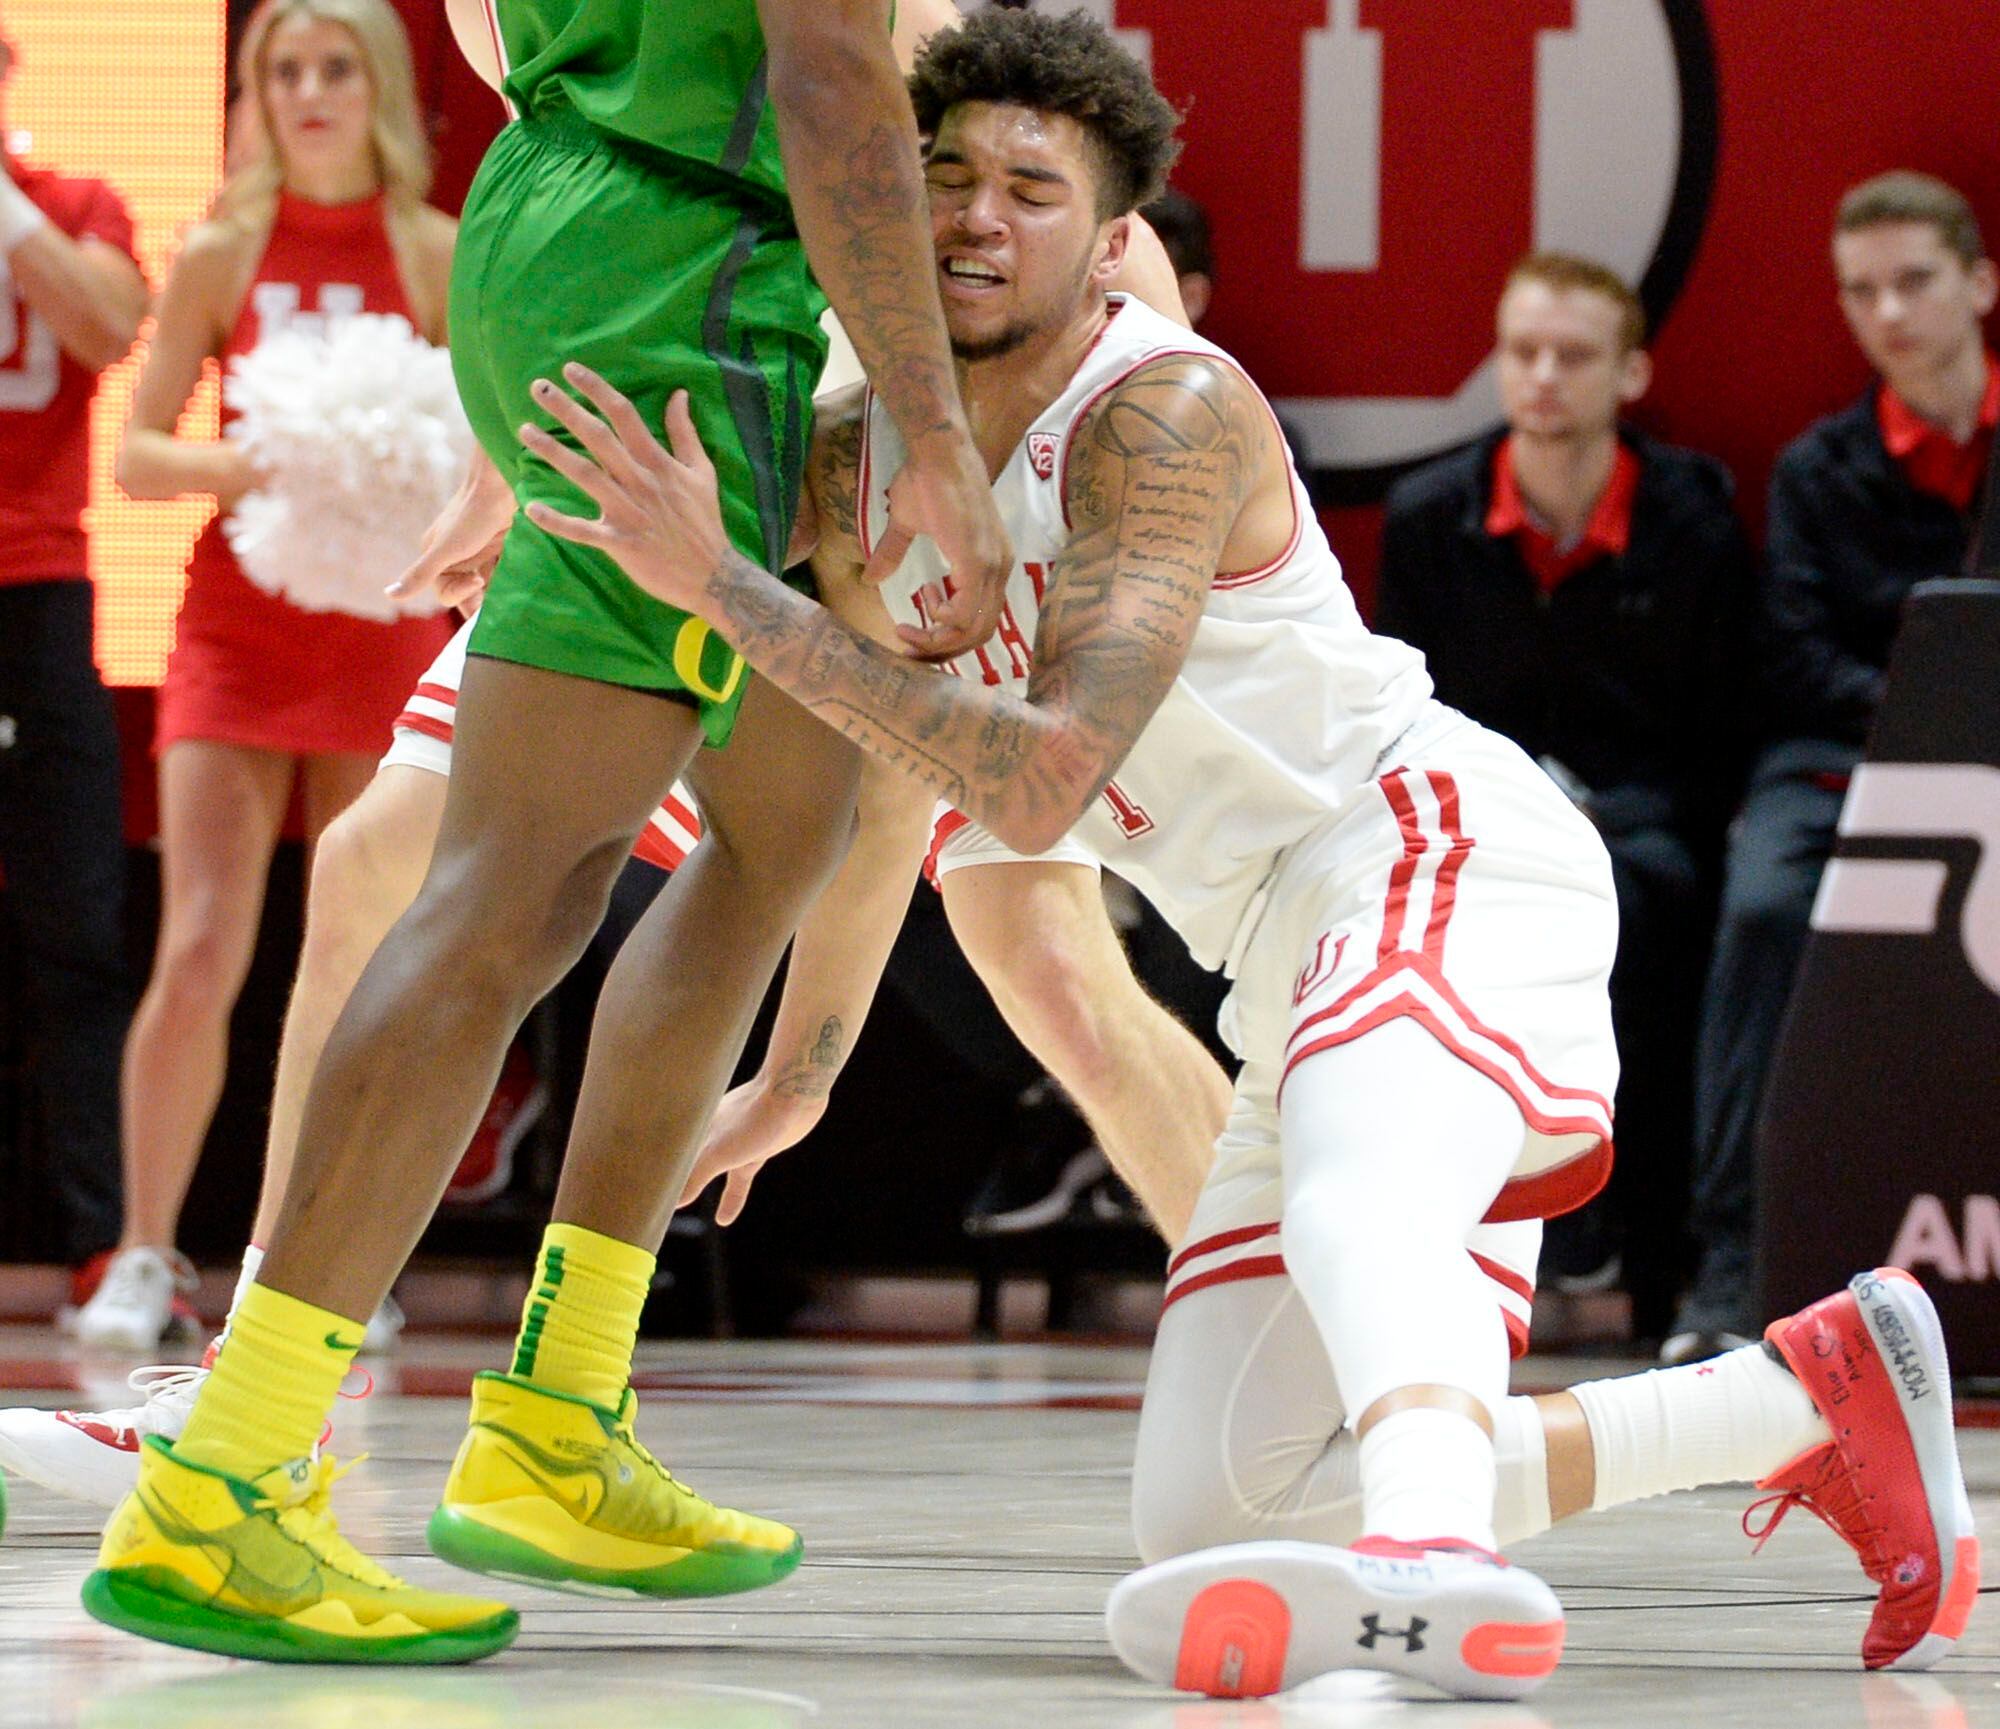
point(1159, 471)
point(843, 943)
point(849, 141)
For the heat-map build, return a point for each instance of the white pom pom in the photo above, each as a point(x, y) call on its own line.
point(360, 427)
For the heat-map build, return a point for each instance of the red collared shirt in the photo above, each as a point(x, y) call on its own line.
point(1605, 535)
point(1930, 458)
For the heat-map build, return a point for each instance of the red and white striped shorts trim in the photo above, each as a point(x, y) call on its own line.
point(1408, 980)
point(671, 832)
point(1253, 1252)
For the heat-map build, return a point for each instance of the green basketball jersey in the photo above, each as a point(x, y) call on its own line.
point(681, 76)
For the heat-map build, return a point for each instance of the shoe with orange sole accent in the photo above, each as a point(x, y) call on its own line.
point(1250, 1619)
point(1872, 1360)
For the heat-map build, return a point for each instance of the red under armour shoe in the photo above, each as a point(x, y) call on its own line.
point(1872, 1360)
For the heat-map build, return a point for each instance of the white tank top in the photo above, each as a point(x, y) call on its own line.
point(1284, 705)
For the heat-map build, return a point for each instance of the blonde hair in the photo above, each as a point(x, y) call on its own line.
point(249, 196)
point(1566, 271)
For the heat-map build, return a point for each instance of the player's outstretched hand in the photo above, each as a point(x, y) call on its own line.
point(752, 1126)
point(658, 515)
point(944, 493)
point(461, 548)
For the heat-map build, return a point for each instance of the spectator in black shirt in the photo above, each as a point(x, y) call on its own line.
point(1584, 589)
point(1865, 504)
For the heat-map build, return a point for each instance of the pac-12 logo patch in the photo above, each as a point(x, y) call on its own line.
point(1042, 453)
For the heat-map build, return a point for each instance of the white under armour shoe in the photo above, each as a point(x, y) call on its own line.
point(134, 1303)
point(1255, 1618)
point(94, 1456)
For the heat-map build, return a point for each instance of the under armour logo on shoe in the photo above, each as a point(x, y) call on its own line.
point(1412, 1635)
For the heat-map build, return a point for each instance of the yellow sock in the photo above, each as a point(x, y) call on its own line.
point(265, 1402)
point(581, 1319)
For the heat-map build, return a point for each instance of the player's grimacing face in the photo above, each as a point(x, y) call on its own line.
point(1013, 223)
point(317, 93)
point(1564, 370)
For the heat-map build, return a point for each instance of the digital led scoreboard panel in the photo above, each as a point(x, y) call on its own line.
point(128, 91)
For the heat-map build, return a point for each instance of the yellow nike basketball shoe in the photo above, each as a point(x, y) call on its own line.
point(552, 1489)
point(196, 1557)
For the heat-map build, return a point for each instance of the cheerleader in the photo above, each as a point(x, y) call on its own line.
point(322, 217)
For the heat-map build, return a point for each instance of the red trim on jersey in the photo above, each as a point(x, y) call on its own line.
point(1254, 1267)
point(947, 825)
point(429, 725)
point(1444, 887)
point(1517, 1333)
point(444, 693)
point(1501, 1274)
point(1222, 1240)
point(863, 469)
point(1223, 579)
point(1404, 872)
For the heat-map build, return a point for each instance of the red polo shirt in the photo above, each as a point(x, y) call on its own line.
point(1606, 534)
point(1930, 458)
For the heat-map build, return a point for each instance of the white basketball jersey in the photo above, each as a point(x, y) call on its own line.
point(1284, 705)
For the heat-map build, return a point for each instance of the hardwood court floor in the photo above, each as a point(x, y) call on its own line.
point(964, 1511)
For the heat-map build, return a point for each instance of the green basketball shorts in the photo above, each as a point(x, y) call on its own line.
point(659, 276)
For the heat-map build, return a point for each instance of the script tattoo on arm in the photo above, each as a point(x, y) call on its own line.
point(855, 182)
point(1158, 473)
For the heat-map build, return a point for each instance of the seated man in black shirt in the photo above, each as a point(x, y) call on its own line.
point(1583, 589)
point(1866, 503)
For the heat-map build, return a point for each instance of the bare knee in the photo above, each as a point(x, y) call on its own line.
point(362, 882)
point(198, 969)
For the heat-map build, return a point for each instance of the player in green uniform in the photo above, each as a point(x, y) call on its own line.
point(672, 166)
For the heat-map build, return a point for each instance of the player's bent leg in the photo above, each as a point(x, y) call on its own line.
point(518, 879)
point(1038, 936)
point(1242, 1434)
point(367, 868)
point(777, 809)
point(1393, 1151)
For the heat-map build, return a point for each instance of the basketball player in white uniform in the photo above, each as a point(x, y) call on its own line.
point(1419, 925)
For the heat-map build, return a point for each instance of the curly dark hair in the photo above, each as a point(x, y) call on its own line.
point(1057, 65)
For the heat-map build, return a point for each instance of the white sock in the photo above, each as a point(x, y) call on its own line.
point(1427, 1473)
point(1521, 1461)
point(253, 1260)
point(1735, 1418)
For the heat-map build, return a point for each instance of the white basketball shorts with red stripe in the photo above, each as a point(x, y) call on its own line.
point(423, 737)
point(1460, 890)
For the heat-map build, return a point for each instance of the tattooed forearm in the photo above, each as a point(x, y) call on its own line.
point(856, 188)
point(811, 1074)
point(1158, 475)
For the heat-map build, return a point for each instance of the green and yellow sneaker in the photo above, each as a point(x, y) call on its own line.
point(554, 1490)
point(196, 1557)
